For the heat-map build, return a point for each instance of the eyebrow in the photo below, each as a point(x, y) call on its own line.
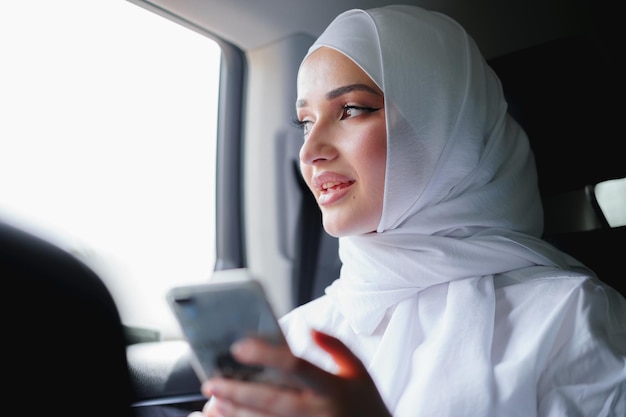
point(337, 92)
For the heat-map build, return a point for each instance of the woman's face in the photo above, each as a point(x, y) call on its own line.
point(343, 158)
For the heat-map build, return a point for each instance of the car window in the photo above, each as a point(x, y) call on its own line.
point(108, 133)
point(611, 197)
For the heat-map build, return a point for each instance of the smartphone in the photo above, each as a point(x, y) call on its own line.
point(214, 315)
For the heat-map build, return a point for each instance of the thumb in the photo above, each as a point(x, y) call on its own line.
point(349, 365)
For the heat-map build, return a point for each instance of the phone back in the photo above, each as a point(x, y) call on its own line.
point(215, 315)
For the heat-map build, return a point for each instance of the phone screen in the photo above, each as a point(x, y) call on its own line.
point(215, 315)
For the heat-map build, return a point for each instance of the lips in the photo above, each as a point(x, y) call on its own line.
point(332, 187)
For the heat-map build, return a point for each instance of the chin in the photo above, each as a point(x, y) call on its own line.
point(338, 231)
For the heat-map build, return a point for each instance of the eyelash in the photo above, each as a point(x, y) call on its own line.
point(301, 124)
point(298, 123)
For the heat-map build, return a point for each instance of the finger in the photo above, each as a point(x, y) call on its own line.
point(204, 413)
point(297, 372)
point(255, 351)
point(360, 394)
point(249, 398)
point(210, 409)
point(349, 365)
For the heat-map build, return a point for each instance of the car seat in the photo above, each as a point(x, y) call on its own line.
point(64, 341)
point(562, 93)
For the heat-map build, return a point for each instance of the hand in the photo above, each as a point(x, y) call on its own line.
point(349, 392)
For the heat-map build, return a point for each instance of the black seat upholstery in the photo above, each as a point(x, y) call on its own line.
point(599, 249)
point(562, 93)
point(62, 332)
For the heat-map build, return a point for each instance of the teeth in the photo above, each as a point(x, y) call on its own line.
point(328, 185)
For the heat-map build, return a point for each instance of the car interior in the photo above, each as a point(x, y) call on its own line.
point(561, 73)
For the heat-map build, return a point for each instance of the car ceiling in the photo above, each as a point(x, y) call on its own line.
point(499, 26)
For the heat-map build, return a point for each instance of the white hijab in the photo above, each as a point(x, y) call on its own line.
point(461, 196)
point(461, 205)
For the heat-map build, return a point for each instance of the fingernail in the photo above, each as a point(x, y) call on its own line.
point(238, 348)
point(212, 387)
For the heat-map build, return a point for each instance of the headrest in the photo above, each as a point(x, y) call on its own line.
point(565, 94)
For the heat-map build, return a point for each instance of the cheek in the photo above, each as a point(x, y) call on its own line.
point(377, 164)
point(375, 153)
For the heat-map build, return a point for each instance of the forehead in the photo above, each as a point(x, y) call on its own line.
point(326, 69)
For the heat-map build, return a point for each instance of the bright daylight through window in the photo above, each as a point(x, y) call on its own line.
point(108, 143)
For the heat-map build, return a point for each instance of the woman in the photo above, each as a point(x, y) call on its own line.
point(448, 303)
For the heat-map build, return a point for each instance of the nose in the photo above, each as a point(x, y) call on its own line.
point(318, 146)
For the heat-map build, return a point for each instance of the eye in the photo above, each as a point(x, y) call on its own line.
point(350, 111)
point(305, 125)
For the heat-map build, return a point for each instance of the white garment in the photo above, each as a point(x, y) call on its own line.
point(557, 347)
point(454, 303)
